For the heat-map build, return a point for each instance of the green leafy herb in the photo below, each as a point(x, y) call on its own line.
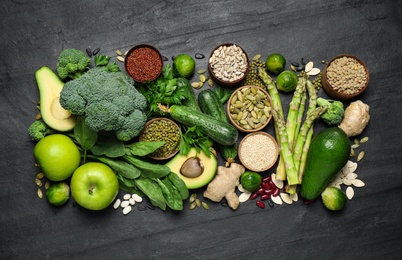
point(84, 135)
point(223, 93)
point(193, 137)
point(101, 60)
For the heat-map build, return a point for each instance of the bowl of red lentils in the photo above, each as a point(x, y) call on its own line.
point(228, 64)
point(258, 151)
point(143, 63)
point(162, 129)
point(345, 77)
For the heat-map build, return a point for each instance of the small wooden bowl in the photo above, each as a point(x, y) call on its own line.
point(225, 82)
point(176, 150)
point(157, 64)
point(229, 107)
point(258, 151)
point(338, 95)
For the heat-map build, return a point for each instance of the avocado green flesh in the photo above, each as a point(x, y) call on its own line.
point(328, 153)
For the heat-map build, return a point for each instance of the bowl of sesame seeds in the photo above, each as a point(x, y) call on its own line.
point(258, 151)
point(228, 64)
point(345, 77)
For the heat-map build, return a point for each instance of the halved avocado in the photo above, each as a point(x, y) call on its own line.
point(210, 165)
point(53, 114)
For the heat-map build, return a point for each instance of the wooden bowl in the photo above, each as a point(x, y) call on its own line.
point(217, 78)
point(258, 151)
point(141, 72)
point(332, 90)
point(177, 146)
point(230, 106)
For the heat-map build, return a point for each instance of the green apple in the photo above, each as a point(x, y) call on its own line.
point(58, 156)
point(94, 185)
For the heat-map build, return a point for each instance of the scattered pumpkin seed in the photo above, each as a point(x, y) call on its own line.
point(192, 198)
point(38, 182)
point(244, 196)
point(195, 84)
point(40, 193)
point(352, 152)
point(356, 141)
point(201, 72)
point(193, 205)
point(293, 68)
point(286, 198)
point(38, 116)
point(350, 192)
point(309, 66)
point(360, 156)
point(40, 175)
point(364, 140)
point(47, 185)
point(205, 205)
point(354, 146)
point(257, 57)
point(358, 183)
point(203, 78)
point(125, 53)
point(210, 82)
point(277, 200)
point(198, 202)
point(118, 52)
point(120, 58)
point(314, 72)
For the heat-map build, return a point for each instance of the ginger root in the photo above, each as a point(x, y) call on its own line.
point(355, 119)
point(224, 184)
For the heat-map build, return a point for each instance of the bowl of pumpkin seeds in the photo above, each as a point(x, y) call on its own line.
point(249, 108)
point(228, 64)
point(162, 129)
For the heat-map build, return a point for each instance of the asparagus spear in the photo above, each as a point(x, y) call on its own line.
point(294, 105)
point(300, 115)
point(304, 153)
point(286, 153)
point(276, 105)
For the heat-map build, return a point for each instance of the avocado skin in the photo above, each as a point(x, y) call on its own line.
point(328, 153)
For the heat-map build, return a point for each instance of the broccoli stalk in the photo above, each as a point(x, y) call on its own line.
point(72, 64)
point(38, 130)
point(334, 113)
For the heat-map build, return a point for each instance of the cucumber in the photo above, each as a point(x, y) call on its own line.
point(328, 153)
point(221, 132)
point(209, 103)
point(185, 87)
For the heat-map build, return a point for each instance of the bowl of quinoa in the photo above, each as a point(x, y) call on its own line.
point(258, 151)
point(345, 77)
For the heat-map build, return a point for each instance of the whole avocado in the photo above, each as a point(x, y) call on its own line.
point(328, 153)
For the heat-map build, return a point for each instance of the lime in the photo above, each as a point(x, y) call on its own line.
point(286, 81)
point(250, 181)
point(275, 63)
point(333, 198)
point(58, 194)
point(184, 65)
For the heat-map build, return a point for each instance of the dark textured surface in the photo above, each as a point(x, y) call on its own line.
point(34, 32)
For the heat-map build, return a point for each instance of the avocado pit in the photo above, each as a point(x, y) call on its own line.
point(192, 167)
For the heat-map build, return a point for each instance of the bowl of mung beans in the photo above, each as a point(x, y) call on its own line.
point(249, 108)
point(228, 64)
point(345, 77)
point(162, 130)
point(258, 151)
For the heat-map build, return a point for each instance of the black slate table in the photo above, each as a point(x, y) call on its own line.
point(34, 32)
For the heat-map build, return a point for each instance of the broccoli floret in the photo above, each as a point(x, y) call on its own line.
point(38, 130)
point(72, 63)
point(108, 100)
point(334, 113)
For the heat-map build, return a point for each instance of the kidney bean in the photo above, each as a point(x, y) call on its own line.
point(269, 191)
point(254, 195)
point(260, 191)
point(272, 184)
point(266, 186)
point(265, 196)
point(260, 204)
point(267, 179)
point(276, 193)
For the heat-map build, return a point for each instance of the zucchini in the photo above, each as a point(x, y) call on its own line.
point(210, 103)
point(185, 87)
point(221, 132)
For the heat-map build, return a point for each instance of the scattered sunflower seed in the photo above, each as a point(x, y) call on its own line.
point(96, 51)
point(293, 68)
point(164, 58)
point(356, 141)
point(89, 52)
point(354, 146)
point(199, 56)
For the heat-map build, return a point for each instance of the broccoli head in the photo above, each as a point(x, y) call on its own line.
point(108, 100)
point(38, 130)
point(72, 63)
point(334, 113)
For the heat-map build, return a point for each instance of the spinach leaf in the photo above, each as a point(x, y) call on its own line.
point(84, 135)
point(179, 184)
point(144, 148)
point(110, 147)
point(172, 196)
point(148, 169)
point(152, 190)
point(123, 168)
